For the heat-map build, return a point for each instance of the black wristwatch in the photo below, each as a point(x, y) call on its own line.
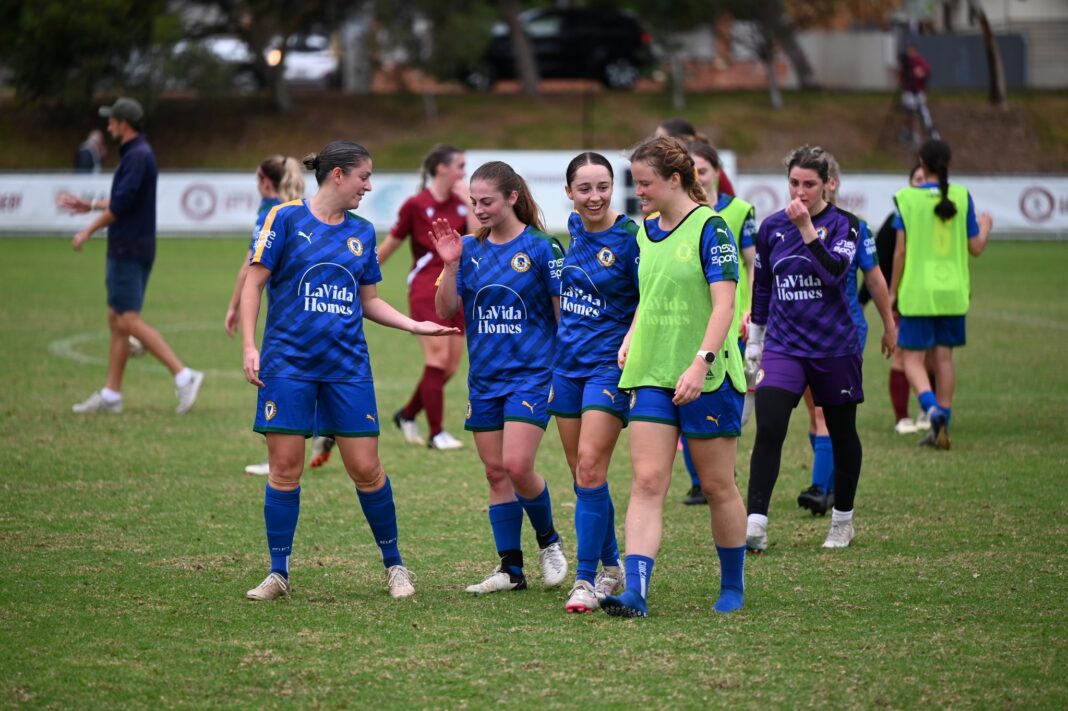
point(709, 357)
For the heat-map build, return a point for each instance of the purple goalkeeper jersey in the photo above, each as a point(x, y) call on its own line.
point(799, 290)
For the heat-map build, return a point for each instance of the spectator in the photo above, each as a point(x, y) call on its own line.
point(91, 153)
point(915, 71)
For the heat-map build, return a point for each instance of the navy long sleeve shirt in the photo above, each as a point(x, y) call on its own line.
point(133, 202)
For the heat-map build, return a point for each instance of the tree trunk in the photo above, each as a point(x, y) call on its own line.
point(678, 93)
point(525, 63)
point(796, 54)
point(998, 96)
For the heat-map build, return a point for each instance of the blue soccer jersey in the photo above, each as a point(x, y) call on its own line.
point(799, 290)
point(261, 216)
point(747, 238)
point(507, 292)
point(866, 260)
point(314, 315)
point(598, 296)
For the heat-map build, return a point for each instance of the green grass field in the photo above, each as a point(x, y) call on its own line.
point(129, 540)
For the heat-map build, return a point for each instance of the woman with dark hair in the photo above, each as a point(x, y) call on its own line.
point(598, 297)
point(936, 231)
point(507, 276)
point(318, 263)
point(801, 335)
point(682, 366)
point(444, 198)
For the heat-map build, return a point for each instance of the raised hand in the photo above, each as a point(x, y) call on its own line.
point(447, 242)
point(798, 213)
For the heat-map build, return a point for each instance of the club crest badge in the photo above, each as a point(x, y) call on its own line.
point(606, 257)
point(552, 395)
point(355, 246)
point(269, 410)
point(468, 415)
point(521, 262)
point(821, 232)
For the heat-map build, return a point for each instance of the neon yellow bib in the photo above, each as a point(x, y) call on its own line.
point(935, 279)
point(734, 215)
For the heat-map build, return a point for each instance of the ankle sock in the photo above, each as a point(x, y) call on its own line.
point(639, 572)
point(731, 579)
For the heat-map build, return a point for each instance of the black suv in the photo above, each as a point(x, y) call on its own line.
point(609, 45)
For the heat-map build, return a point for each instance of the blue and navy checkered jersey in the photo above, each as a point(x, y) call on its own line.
point(314, 314)
point(261, 216)
point(598, 296)
point(867, 258)
point(507, 292)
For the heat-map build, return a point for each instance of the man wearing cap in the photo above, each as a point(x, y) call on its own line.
point(130, 217)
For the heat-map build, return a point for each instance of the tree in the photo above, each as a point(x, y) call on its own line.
point(62, 49)
point(998, 95)
point(525, 63)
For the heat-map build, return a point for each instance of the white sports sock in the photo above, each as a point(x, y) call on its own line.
point(182, 377)
point(110, 395)
point(841, 516)
point(759, 518)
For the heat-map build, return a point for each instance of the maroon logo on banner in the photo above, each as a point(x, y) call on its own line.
point(764, 198)
point(198, 201)
point(1037, 204)
point(10, 202)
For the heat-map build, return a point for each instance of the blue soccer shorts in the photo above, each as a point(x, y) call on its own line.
point(570, 397)
point(711, 415)
point(311, 408)
point(527, 403)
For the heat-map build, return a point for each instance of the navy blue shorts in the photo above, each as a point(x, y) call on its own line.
point(126, 281)
point(711, 415)
point(527, 403)
point(918, 333)
point(570, 397)
point(309, 407)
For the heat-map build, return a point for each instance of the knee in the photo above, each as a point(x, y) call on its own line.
point(720, 490)
point(367, 476)
point(496, 476)
point(516, 468)
point(646, 485)
point(285, 475)
point(591, 470)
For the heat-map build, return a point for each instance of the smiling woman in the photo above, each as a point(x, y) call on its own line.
point(315, 374)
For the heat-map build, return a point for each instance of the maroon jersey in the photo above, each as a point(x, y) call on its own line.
point(414, 219)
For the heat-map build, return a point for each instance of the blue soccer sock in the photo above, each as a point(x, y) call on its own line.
point(948, 412)
point(812, 440)
point(731, 579)
point(506, 520)
point(281, 509)
point(382, 517)
point(823, 463)
point(610, 550)
point(639, 572)
point(927, 400)
point(540, 512)
point(687, 459)
point(591, 525)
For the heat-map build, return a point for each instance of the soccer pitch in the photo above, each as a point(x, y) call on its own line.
point(130, 539)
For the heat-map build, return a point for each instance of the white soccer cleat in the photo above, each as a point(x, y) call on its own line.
point(408, 428)
point(553, 564)
point(906, 425)
point(273, 587)
point(187, 394)
point(258, 469)
point(444, 441)
point(498, 581)
point(756, 537)
point(609, 581)
point(923, 421)
point(582, 598)
point(137, 349)
point(840, 535)
point(399, 581)
point(97, 403)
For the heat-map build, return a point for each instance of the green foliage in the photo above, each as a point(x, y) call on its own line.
point(62, 49)
point(129, 540)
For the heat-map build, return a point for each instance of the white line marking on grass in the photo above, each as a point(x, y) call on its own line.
point(1020, 319)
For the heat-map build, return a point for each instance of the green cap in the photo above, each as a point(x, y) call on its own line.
point(124, 108)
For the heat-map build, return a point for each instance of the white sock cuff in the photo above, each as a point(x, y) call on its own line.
point(110, 395)
point(182, 377)
point(841, 516)
point(758, 518)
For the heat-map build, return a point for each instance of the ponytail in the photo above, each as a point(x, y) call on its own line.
point(337, 154)
point(291, 186)
point(507, 181)
point(935, 156)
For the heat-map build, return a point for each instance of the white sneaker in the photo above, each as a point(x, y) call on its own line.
point(840, 535)
point(756, 537)
point(408, 428)
point(137, 349)
point(923, 421)
point(444, 440)
point(553, 565)
point(582, 598)
point(609, 581)
point(273, 587)
point(97, 403)
point(906, 425)
point(187, 395)
point(399, 581)
point(498, 581)
point(257, 469)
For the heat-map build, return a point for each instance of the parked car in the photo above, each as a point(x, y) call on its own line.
point(608, 45)
point(309, 59)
